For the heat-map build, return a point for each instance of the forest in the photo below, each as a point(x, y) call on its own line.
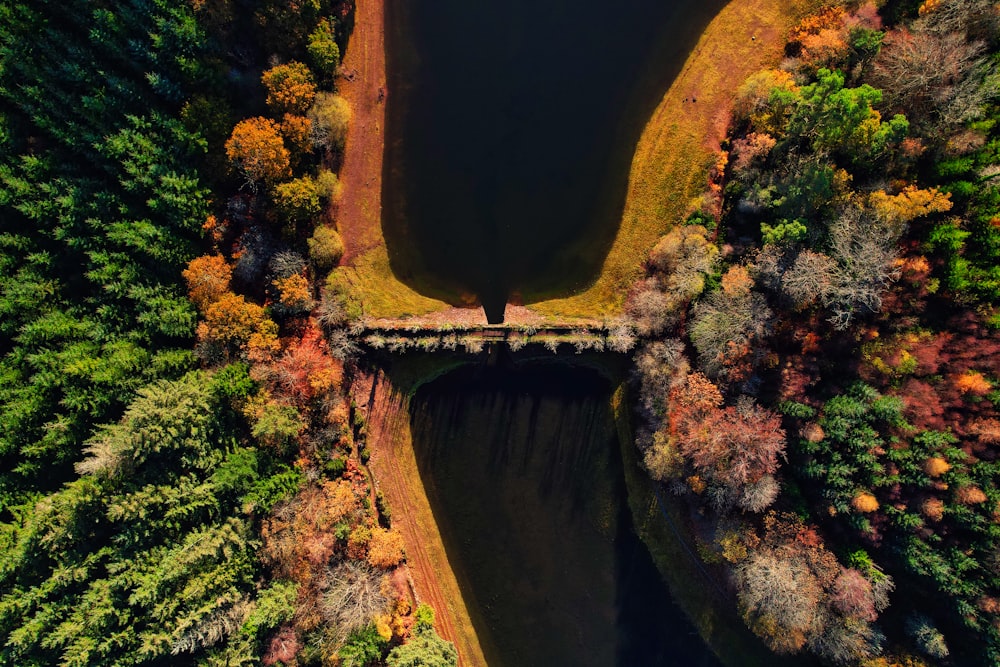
point(821, 381)
point(182, 476)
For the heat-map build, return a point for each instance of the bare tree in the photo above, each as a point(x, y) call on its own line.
point(727, 326)
point(936, 76)
point(810, 279)
point(779, 597)
point(683, 258)
point(353, 596)
point(651, 309)
point(865, 251)
point(659, 366)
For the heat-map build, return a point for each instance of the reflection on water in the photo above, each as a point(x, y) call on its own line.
point(524, 473)
point(511, 128)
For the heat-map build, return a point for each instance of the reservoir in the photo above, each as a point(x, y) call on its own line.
point(510, 131)
point(523, 470)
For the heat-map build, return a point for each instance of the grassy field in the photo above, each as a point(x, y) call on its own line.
point(677, 149)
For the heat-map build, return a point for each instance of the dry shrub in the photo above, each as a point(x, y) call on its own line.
point(385, 549)
point(973, 382)
point(933, 509)
point(936, 466)
point(354, 596)
point(853, 596)
point(813, 432)
point(970, 495)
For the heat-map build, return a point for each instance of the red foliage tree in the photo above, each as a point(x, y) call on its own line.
point(737, 444)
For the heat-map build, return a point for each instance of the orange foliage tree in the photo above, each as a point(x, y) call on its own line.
point(304, 372)
point(207, 279)
point(233, 327)
point(385, 548)
point(736, 445)
point(256, 149)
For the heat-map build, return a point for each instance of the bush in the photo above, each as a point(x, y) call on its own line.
point(425, 649)
point(290, 88)
point(297, 200)
point(323, 49)
point(325, 248)
point(330, 115)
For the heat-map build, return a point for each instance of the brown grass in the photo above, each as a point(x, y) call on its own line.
point(677, 149)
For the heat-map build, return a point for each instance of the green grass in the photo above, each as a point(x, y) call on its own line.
point(384, 296)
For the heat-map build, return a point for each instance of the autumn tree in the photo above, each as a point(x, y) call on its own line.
point(729, 327)
point(766, 99)
point(297, 133)
point(325, 247)
point(256, 149)
point(937, 77)
point(385, 548)
point(290, 88)
point(234, 327)
point(323, 49)
point(330, 115)
point(297, 200)
point(208, 279)
point(780, 599)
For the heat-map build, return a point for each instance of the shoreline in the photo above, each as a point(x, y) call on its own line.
point(679, 145)
point(358, 215)
point(668, 176)
point(358, 218)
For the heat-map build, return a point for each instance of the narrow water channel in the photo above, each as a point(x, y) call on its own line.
point(524, 474)
point(511, 127)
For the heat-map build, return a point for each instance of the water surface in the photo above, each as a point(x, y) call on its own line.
point(511, 128)
point(524, 474)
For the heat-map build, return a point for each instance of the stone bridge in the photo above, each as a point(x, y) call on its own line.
point(562, 337)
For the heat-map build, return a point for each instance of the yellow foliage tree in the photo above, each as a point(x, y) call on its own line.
point(936, 466)
point(290, 88)
point(293, 291)
point(385, 549)
point(910, 204)
point(233, 326)
point(973, 382)
point(864, 502)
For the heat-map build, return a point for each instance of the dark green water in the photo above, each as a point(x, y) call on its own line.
point(524, 474)
point(511, 128)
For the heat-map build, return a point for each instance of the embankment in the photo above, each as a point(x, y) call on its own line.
point(394, 466)
point(359, 213)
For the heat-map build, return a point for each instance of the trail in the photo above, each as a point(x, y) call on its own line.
point(394, 466)
point(363, 84)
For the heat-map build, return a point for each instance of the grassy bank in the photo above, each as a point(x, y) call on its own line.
point(359, 214)
point(677, 149)
point(394, 464)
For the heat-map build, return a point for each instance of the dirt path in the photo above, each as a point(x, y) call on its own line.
point(395, 468)
point(363, 85)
